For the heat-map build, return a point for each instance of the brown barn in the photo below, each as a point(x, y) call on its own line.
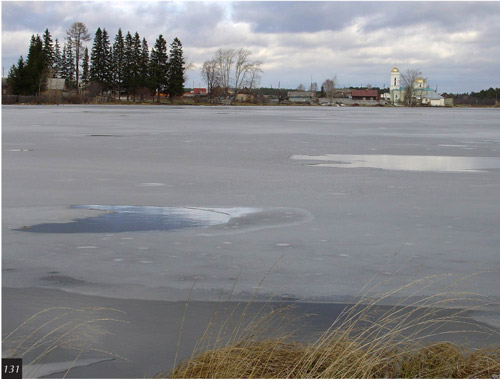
point(365, 94)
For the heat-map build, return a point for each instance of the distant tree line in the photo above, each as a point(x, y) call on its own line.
point(488, 96)
point(125, 67)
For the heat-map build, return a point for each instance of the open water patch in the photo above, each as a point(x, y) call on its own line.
point(403, 162)
point(119, 218)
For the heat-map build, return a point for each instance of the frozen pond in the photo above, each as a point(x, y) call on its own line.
point(210, 194)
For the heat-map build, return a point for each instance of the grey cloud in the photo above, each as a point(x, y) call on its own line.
point(36, 16)
point(288, 17)
point(275, 17)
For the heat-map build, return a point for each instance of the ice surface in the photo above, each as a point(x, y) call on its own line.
point(329, 230)
point(404, 162)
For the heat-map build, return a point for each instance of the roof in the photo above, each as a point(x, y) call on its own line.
point(432, 95)
point(300, 94)
point(245, 91)
point(395, 69)
point(364, 93)
point(199, 90)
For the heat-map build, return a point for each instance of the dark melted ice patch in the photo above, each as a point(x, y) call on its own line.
point(117, 219)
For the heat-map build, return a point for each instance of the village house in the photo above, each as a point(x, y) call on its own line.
point(301, 96)
point(365, 94)
point(245, 95)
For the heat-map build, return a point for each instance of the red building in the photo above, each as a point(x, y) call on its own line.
point(199, 91)
point(196, 92)
point(365, 94)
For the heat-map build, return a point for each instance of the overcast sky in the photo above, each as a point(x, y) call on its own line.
point(455, 44)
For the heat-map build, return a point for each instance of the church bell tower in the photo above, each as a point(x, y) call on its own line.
point(394, 86)
point(394, 79)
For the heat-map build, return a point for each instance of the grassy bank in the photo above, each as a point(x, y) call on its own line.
point(338, 357)
point(367, 340)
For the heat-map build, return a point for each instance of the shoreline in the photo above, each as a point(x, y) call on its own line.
point(154, 325)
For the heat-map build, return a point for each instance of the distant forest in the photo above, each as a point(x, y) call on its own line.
point(126, 67)
point(484, 97)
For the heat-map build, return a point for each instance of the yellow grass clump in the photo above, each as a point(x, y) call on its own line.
point(277, 359)
point(367, 340)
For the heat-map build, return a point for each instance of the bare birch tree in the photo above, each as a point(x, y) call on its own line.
point(224, 59)
point(76, 35)
point(245, 71)
point(231, 68)
point(254, 75)
point(209, 74)
point(408, 79)
point(329, 87)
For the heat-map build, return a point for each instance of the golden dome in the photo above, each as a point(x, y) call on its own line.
point(395, 69)
point(419, 79)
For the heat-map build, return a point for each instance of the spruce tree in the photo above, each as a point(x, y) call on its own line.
point(56, 65)
point(63, 69)
point(16, 79)
point(136, 63)
point(158, 67)
point(100, 60)
point(144, 64)
point(36, 67)
point(127, 64)
point(68, 66)
point(130, 66)
point(176, 69)
point(85, 69)
point(118, 61)
point(48, 51)
point(107, 72)
point(96, 56)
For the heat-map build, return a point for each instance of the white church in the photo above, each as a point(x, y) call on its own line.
point(423, 94)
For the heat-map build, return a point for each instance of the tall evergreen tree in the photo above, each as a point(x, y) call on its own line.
point(118, 61)
point(136, 64)
point(128, 65)
point(68, 66)
point(16, 79)
point(56, 65)
point(158, 67)
point(85, 69)
point(63, 68)
point(96, 57)
point(108, 68)
point(100, 68)
point(48, 51)
point(176, 69)
point(36, 66)
point(144, 63)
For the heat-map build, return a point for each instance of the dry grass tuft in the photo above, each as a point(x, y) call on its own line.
point(274, 358)
point(53, 329)
point(367, 340)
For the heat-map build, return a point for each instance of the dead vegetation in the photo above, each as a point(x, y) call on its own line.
point(365, 341)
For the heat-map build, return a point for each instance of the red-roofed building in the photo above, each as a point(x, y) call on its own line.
point(196, 92)
point(199, 91)
point(365, 94)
